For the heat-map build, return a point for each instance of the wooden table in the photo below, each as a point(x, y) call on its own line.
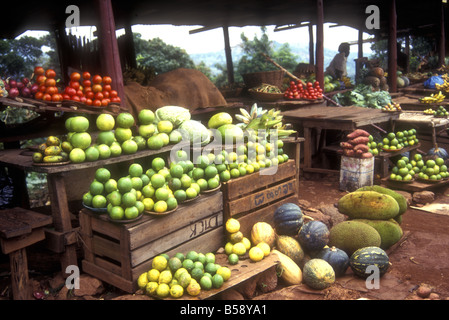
point(63, 238)
point(337, 118)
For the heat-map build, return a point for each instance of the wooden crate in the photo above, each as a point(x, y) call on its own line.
point(119, 253)
point(254, 197)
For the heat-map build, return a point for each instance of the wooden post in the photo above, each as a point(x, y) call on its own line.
point(392, 48)
point(407, 52)
point(228, 53)
point(311, 50)
point(130, 51)
point(358, 62)
point(442, 42)
point(109, 53)
point(319, 68)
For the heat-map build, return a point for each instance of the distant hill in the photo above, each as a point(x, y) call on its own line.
point(302, 51)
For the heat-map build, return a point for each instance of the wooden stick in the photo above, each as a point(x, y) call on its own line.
point(297, 79)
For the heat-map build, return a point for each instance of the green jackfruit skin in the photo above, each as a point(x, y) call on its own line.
point(368, 205)
point(402, 201)
point(389, 230)
point(350, 236)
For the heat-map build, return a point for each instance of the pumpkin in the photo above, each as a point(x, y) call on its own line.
point(287, 269)
point(288, 219)
point(337, 258)
point(290, 247)
point(377, 72)
point(313, 236)
point(439, 152)
point(263, 232)
point(365, 257)
point(318, 274)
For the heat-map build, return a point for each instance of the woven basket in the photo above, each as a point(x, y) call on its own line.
point(255, 79)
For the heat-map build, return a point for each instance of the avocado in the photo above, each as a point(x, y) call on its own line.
point(389, 230)
point(352, 235)
point(368, 205)
point(402, 201)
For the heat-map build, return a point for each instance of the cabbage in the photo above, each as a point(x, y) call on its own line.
point(174, 114)
point(194, 131)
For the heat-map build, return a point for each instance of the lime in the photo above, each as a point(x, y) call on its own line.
point(196, 186)
point(211, 268)
point(77, 155)
point(197, 173)
point(172, 203)
point(131, 212)
point(78, 124)
point(114, 198)
point(192, 255)
point(176, 171)
point(145, 116)
point(180, 195)
point(175, 136)
point(99, 201)
point(157, 180)
point(105, 122)
point(174, 184)
point(87, 199)
point(164, 137)
point(213, 183)
point(217, 281)
point(147, 130)
point(184, 279)
point(117, 213)
point(233, 259)
point(202, 183)
point(191, 193)
point(135, 170)
point(197, 273)
point(110, 185)
point(209, 257)
point(92, 154)
point(235, 173)
point(161, 194)
point(188, 264)
point(225, 176)
point(96, 187)
point(206, 282)
point(155, 142)
point(148, 204)
point(186, 181)
point(137, 183)
point(124, 184)
point(158, 164)
point(148, 191)
point(210, 172)
point(125, 120)
point(174, 264)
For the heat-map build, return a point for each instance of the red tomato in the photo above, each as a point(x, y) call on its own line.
point(107, 80)
point(46, 97)
point(104, 102)
point(97, 79)
point(56, 97)
point(70, 91)
point(89, 95)
point(50, 73)
point(116, 100)
point(86, 75)
point(41, 79)
point(75, 98)
point(107, 87)
point(83, 99)
point(65, 96)
point(74, 84)
point(96, 103)
point(88, 101)
point(79, 93)
point(99, 96)
point(42, 88)
point(105, 94)
point(51, 90)
point(39, 71)
point(50, 82)
point(113, 94)
point(39, 95)
point(75, 76)
point(87, 83)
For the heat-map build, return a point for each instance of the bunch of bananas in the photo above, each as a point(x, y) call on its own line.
point(259, 119)
point(445, 86)
point(433, 98)
point(347, 82)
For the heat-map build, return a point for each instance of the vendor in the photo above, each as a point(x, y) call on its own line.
point(337, 67)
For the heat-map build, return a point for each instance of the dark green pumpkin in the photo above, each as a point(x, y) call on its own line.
point(337, 258)
point(318, 274)
point(313, 236)
point(288, 219)
point(362, 258)
point(439, 152)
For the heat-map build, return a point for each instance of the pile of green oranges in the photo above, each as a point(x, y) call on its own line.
point(238, 246)
point(183, 273)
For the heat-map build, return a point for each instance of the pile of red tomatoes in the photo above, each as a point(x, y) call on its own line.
point(300, 90)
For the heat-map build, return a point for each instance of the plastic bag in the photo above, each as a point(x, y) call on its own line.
point(430, 83)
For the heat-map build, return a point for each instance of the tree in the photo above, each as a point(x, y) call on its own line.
point(18, 57)
point(161, 56)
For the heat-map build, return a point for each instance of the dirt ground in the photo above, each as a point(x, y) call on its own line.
point(421, 257)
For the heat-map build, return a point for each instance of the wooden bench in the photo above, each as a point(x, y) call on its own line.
point(20, 228)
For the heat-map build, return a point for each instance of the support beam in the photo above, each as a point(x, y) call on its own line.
point(311, 50)
point(442, 42)
point(319, 64)
point(392, 48)
point(228, 53)
point(358, 61)
point(108, 46)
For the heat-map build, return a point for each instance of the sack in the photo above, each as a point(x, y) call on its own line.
point(430, 83)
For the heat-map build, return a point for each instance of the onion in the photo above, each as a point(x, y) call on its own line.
point(13, 92)
point(20, 85)
point(25, 81)
point(34, 88)
point(12, 83)
point(26, 92)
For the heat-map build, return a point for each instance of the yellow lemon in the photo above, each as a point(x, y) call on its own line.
point(228, 248)
point(176, 291)
point(142, 280)
point(239, 249)
point(151, 287)
point(246, 242)
point(160, 263)
point(194, 288)
point(265, 248)
point(163, 290)
point(232, 225)
point(256, 254)
point(225, 272)
point(153, 275)
point(165, 277)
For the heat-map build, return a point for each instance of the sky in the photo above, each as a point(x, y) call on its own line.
point(213, 40)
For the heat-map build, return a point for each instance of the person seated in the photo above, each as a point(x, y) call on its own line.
point(337, 67)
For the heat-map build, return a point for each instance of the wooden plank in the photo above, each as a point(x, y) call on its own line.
point(19, 221)
point(19, 275)
point(249, 183)
point(201, 208)
point(414, 186)
point(261, 198)
point(108, 276)
point(105, 247)
point(173, 239)
point(17, 243)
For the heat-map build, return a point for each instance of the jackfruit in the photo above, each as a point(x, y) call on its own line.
point(352, 235)
point(401, 200)
point(389, 230)
point(368, 205)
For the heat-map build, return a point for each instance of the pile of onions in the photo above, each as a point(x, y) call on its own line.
point(21, 88)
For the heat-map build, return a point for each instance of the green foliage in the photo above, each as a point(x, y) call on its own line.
point(162, 57)
point(363, 96)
